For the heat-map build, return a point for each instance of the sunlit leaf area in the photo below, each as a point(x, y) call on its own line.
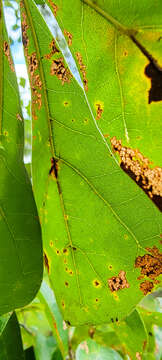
point(80, 180)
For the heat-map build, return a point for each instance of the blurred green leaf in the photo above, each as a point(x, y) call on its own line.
point(10, 341)
point(22, 82)
point(20, 233)
point(90, 350)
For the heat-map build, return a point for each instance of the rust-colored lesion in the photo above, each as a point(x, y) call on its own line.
point(83, 70)
point(6, 49)
point(53, 49)
point(53, 6)
point(58, 68)
point(99, 111)
point(36, 83)
point(46, 262)
point(150, 266)
point(138, 168)
point(118, 282)
point(69, 37)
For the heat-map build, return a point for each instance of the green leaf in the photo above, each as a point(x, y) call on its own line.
point(29, 354)
point(10, 341)
point(132, 335)
point(20, 234)
point(22, 82)
point(95, 220)
point(115, 66)
point(90, 350)
point(3, 322)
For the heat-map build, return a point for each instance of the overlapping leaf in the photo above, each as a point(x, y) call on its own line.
point(95, 219)
point(20, 235)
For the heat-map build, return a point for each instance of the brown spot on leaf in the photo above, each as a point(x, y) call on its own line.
point(58, 69)
point(53, 48)
point(24, 27)
point(66, 283)
point(46, 262)
point(118, 282)
point(65, 251)
point(96, 283)
point(155, 75)
point(54, 168)
point(83, 70)
point(150, 264)
point(146, 286)
point(6, 49)
point(69, 36)
point(99, 110)
point(53, 6)
point(138, 168)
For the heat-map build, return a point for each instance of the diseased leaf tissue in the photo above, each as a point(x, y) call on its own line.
point(101, 244)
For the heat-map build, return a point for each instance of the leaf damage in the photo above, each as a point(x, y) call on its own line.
point(58, 68)
point(6, 49)
point(54, 168)
point(150, 266)
point(32, 61)
point(69, 37)
point(53, 50)
point(83, 70)
point(118, 282)
point(53, 6)
point(138, 168)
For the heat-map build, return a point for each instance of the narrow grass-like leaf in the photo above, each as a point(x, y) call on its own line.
point(10, 341)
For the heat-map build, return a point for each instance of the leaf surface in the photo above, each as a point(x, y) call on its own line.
point(20, 234)
point(10, 341)
point(95, 220)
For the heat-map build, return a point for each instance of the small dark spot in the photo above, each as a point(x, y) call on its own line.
point(97, 300)
point(112, 320)
point(155, 75)
point(66, 283)
point(66, 103)
point(116, 320)
point(63, 304)
point(68, 322)
point(54, 168)
point(74, 248)
point(96, 283)
point(58, 252)
point(159, 38)
point(65, 251)
point(46, 263)
point(150, 333)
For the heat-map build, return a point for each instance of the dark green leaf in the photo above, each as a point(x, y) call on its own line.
point(20, 234)
point(10, 341)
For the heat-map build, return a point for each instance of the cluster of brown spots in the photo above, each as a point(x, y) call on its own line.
point(24, 27)
point(99, 111)
point(36, 83)
point(53, 6)
point(46, 262)
point(6, 49)
point(83, 70)
point(118, 282)
point(150, 266)
point(138, 165)
point(58, 69)
point(69, 36)
point(146, 286)
point(53, 48)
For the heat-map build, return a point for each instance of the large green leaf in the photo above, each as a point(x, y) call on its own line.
point(95, 219)
point(115, 66)
point(10, 341)
point(20, 235)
